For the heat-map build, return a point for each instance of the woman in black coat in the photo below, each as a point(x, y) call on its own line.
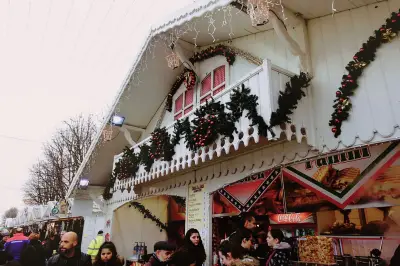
point(34, 254)
point(192, 253)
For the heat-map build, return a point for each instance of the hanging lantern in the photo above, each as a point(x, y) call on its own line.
point(107, 134)
point(259, 10)
point(173, 60)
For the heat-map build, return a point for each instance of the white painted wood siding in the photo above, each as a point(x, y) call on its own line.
point(376, 104)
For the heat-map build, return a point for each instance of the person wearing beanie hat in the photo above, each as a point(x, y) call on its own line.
point(95, 244)
point(162, 254)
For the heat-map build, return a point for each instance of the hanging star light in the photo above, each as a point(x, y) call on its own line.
point(259, 10)
point(173, 60)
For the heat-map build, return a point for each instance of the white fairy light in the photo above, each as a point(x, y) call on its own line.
point(211, 26)
point(333, 8)
point(197, 34)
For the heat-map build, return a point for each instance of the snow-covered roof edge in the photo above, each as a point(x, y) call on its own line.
point(183, 15)
point(186, 14)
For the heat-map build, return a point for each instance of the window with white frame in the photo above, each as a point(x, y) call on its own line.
point(212, 84)
point(183, 103)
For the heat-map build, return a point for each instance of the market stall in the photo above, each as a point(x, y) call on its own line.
point(335, 208)
point(138, 225)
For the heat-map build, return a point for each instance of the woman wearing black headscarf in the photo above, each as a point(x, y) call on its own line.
point(192, 253)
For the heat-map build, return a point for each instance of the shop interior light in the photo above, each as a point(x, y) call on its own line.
point(117, 120)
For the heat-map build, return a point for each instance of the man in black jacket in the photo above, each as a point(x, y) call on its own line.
point(69, 255)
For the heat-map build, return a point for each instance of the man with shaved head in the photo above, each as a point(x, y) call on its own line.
point(69, 255)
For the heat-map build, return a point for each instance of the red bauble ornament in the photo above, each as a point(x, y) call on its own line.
point(341, 100)
point(339, 111)
point(355, 57)
point(337, 121)
point(361, 49)
point(351, 81)
point(338, 93)
point(393, 20)
point(343, 85)
point(334, 129)
point(349, 76)
point(398, 14)
point(212, 122)
point(382, 29)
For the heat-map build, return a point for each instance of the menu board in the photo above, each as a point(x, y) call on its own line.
point(195, 210)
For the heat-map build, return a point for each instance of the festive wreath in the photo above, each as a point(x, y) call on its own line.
point(355, 68)
point(189, 80)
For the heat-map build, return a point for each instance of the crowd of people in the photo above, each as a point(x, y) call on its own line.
point(244, 247)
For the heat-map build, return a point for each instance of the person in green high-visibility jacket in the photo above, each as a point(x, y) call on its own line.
point(95, 244)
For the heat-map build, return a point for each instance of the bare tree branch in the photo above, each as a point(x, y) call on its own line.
point(51, 176)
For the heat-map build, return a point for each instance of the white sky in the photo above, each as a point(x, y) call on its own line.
point(60, 58)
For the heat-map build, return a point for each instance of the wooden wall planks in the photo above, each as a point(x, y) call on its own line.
point(376, 104)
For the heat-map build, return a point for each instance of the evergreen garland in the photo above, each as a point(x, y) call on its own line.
point(128, 165)
point(147, 214)
point(210, 122)
point(355, 68)
point(212, 51)
point(241, 100)
point(289, 98)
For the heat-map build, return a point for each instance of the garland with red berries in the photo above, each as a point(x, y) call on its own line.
point(188, 77)
point(211, 121)
point(355, 68)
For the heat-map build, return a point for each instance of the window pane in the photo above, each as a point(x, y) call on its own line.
point(179, 103)
point(219, 75)
point(205, 98)
point(187, 110)
point(205, 85)
point(189, 97)
point(176, 117)
point(219, 90)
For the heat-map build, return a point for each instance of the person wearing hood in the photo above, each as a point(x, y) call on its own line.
point(5, 236)
point(231, 254)
point(280, 253)
point(162, 254)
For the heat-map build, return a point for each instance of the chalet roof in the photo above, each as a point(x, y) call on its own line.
point(183, 15)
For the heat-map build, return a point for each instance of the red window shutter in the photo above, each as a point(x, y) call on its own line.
point(205, 98)
point(176, 117)
point(219, 90)
point(188, 110)
point(179, 103)
point(219, 76)
point(189, 97)
point(205, 85)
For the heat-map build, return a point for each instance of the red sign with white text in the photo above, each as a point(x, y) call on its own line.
point(292, 218)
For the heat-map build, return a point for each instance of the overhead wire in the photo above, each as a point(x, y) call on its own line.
point(129, 37)
point(19, 139)
point(117, 31)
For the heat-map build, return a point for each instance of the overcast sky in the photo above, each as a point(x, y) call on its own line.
point(58, 59)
